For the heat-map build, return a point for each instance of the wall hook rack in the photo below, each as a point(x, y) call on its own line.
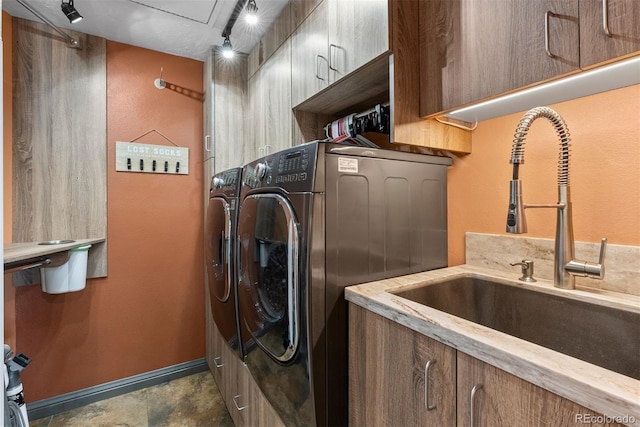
point(159, 83)
point(133, 156)
point(156, 131)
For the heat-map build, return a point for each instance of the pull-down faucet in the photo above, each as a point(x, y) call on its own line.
point(565, 267)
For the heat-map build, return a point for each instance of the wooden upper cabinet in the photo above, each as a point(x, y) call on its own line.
point(300, 9)
point(269, 106)
point(358, 33)
point(276, 102)
point(476, 49)
point(310, 56)
point(335, 39)
point(621, 17)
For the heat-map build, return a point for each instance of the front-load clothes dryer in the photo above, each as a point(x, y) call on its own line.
point(220, 253)
point(313, 219)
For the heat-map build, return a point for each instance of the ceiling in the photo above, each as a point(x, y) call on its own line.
point(185, 28)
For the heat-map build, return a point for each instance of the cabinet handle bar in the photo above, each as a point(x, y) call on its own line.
point(235, 402)
point(547, 48)
point(427, 367)
point(605, 18)
point(318, 57)
point(216, 360)
point(472, 398)
point(331, 48)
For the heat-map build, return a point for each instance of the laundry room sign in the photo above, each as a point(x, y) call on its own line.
point(135, 157)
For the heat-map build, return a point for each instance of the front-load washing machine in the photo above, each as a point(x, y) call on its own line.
point(313, 219)
point(220, 253)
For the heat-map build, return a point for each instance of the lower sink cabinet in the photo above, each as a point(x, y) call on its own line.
point(398, 377)
point(488, 396)
point(392, 383)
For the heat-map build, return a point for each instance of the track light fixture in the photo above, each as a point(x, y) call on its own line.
point(70, 12)
point(251, 12)
point(71, 42)
point(227, 49)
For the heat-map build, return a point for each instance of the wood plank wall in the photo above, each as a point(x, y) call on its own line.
point(59, 139)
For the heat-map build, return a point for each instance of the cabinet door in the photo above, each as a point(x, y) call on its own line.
point(310, 63)
point(259, 412)
point(270, 127)
point(276, 104)
point(207, 119)
point(230, 113)
point(300, 10)
point(622, 21)
point(256, 127)
point(398, 376)
point(476, 49)
point(213, 340)
point(358, 33)
point(506, 400)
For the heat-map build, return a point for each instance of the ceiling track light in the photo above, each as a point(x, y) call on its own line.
point(227, 48)
point(71, 42)
point(70, 12)
point(251, 12)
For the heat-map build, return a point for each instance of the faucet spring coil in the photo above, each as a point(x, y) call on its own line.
point(517, 150)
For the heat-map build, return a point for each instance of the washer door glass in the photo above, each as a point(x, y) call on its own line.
point(268, 287)
point(218, 248)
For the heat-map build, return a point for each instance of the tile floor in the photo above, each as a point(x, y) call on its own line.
point(192, 401)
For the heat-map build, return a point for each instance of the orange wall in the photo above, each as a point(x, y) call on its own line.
point(149, 312)
point(604, 173)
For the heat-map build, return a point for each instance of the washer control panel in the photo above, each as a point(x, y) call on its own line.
point(227, 182)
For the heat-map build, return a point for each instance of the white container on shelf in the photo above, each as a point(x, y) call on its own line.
point(70, 276)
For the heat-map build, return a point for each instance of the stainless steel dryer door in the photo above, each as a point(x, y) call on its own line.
point(218, 249)
point(269, 280)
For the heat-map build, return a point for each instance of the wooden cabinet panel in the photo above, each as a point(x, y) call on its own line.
point(213, 339)
point(387, 364)
point(310, 63)
point(275, 110)
point(224, 111)
point(278, 32)
point(358, 33)
point(475, 49)
point(300, 10)
point(506, 400)
point(337, 38)
point(259, 412)
point(623, 21)
point(229, 111)
point(59, 139)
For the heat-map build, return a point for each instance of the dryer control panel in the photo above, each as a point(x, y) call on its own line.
point(292, 169)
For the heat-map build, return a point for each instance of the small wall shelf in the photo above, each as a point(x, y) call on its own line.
point(18, 255)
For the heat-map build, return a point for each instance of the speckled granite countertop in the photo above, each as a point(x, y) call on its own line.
point(589, 385)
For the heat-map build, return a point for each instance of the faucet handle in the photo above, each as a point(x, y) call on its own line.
point(527, 270)
point(603, 251)
point(589, 269)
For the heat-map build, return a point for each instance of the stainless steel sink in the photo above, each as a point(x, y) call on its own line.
point(601, 335)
